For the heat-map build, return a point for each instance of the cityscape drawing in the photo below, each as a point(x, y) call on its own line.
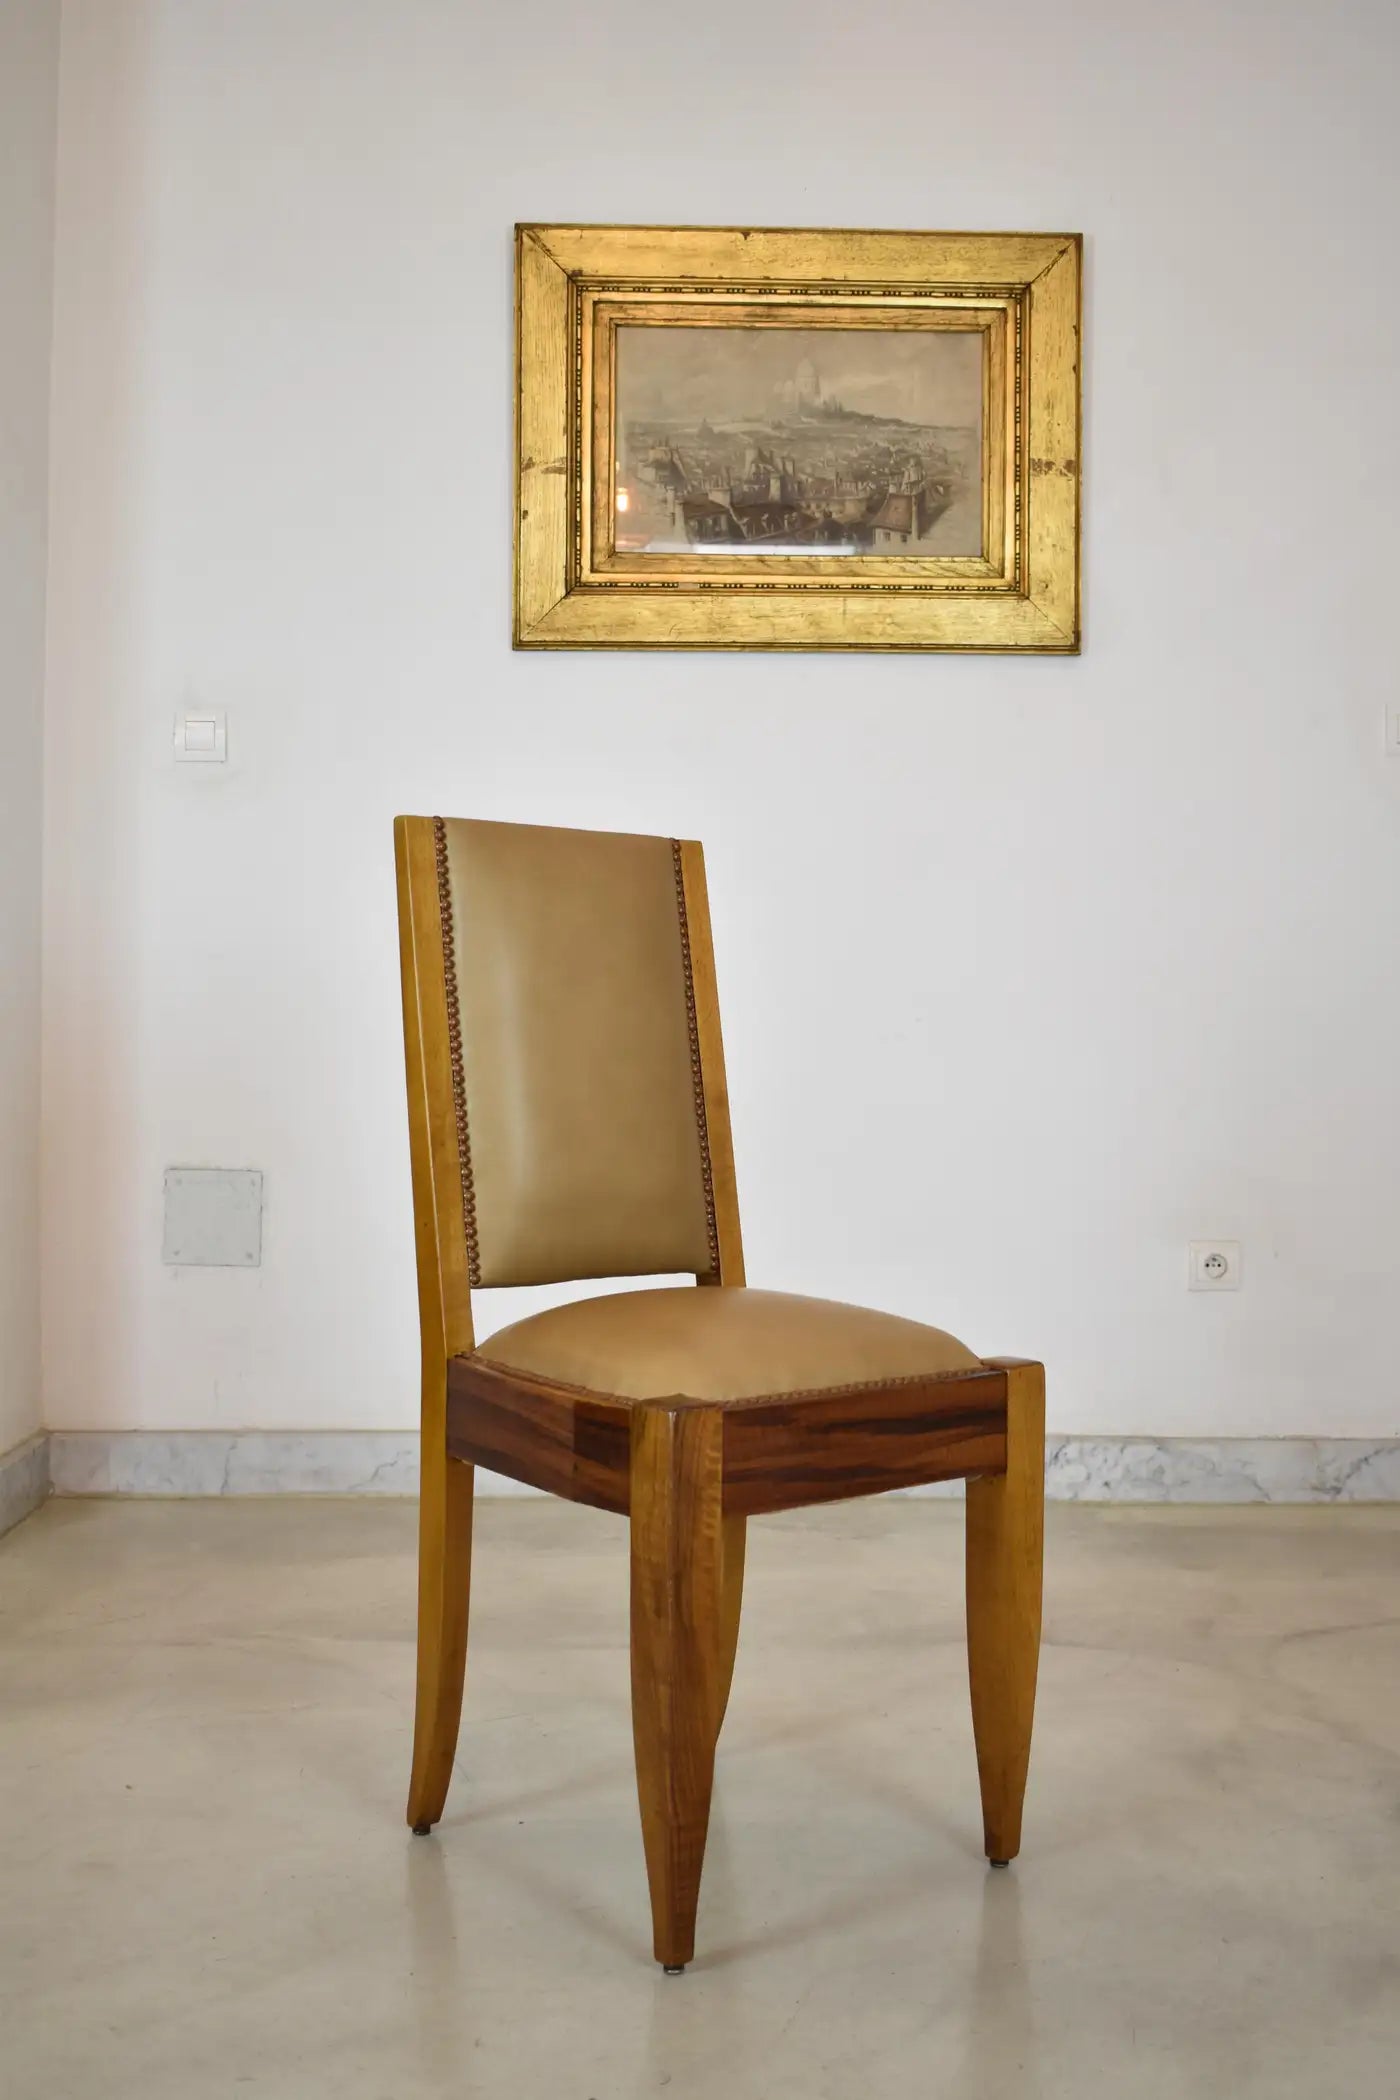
point(771, 440)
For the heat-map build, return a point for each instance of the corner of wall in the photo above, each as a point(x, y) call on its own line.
point(29, 49)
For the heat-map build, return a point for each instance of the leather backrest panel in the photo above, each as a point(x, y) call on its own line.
point(574, 1054)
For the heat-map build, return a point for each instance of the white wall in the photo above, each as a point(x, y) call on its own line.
point(28, 110)
point(1032, 970)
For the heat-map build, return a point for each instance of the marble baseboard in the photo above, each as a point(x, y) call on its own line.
point(385, 1462)
point(234, 1462)
point(1215, 1469)
point(1223, 1469)
point(24, 1480)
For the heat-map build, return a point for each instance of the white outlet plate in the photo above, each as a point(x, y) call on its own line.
point(1392, 728)
point(1213, 1265)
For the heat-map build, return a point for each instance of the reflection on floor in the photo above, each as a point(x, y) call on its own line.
point(206, 1887)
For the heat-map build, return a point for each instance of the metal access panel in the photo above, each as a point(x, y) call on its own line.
point(213, 1217)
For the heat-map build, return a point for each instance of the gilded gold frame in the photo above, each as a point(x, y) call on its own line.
point(576, 284)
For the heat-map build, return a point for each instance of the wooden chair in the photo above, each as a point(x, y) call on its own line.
point(568, 1119)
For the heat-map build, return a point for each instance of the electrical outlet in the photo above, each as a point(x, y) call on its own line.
point(1392, 728)
point(1213, 1265)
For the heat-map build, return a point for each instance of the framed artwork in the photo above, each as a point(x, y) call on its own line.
point(757, 439)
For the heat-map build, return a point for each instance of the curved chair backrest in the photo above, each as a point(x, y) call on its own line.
point(566, 1076)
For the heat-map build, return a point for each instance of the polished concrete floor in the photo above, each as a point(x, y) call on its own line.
point(206, 1888)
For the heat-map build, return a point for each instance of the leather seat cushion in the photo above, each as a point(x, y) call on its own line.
point(720, 1344)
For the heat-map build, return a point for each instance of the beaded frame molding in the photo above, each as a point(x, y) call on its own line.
point(578, 587)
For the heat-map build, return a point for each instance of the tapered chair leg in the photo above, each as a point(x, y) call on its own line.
point(444, 1580)
point(735, 1539)
point(1005, 1550)
point(679, 1661)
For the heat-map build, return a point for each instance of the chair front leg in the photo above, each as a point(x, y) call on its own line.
point(679, 1660)
point(444, 1584)
point(1005, 1553)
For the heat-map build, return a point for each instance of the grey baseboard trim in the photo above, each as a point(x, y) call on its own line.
point(24, 1480)
point(233, 1462)
point(1223, 1469)
point(385, 1462)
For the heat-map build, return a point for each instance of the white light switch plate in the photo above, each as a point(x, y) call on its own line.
point(213, 1217)
point(201, 736)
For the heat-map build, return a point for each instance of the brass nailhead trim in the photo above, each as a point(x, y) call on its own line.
point(454, 1040)
point(697, 1076)
point(513, 1374)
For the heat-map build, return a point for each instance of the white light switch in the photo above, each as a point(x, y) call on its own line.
point(201, 736)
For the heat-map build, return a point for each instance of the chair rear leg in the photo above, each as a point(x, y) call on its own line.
point(679, 1658)
point(444, 1585)
point(1005, 1552)
point(735, 1539)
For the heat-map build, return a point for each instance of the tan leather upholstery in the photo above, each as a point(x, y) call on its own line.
point(718, 1344)
point(575, 1053)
